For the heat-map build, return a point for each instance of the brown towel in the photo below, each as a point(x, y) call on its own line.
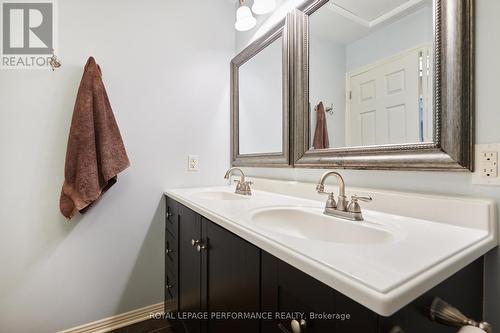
point(321, 132)
point(95, 152)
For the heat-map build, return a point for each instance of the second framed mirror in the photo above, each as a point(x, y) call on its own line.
point(260, 116)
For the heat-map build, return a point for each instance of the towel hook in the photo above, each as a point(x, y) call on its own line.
point(54, 62)
point(330, 109)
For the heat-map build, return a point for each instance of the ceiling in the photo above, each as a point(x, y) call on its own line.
point(371, 9)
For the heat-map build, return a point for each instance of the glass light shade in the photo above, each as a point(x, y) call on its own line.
point(263, 6)
point(244, 19)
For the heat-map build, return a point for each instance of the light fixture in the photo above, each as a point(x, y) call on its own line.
point(244, 18)
point(263, 6)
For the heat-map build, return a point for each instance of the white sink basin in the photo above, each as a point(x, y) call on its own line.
point(312, 224)
point(219, 195)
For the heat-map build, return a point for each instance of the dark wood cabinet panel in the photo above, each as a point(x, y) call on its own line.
point(287, 289)
point(361, 319)
point(232, 278)
point(463, 290)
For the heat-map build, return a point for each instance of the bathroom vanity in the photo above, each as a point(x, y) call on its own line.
point(393, 101)
point(229, 253)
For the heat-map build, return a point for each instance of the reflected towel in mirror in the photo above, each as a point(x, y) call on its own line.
point(321, 140)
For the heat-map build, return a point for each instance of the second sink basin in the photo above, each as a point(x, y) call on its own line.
point(311, 223)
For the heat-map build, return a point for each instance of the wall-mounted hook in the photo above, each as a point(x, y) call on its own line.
point(330, 109)
point(54, 62)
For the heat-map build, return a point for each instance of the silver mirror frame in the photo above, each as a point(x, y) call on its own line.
point(279, 159)
point(452, 148)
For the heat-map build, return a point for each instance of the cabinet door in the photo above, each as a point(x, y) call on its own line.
point(289, 290)
point(361, 319)
point(189, 266)
point(232, 281)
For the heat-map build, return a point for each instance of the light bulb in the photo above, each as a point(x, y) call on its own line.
point(244, 19)
point(263, 6)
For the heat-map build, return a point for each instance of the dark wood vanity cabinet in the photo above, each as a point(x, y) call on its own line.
point(211, 271)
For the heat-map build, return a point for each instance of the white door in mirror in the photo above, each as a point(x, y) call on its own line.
point(193, 162)
point(486, 165)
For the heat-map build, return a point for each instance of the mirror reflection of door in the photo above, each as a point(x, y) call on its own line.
point(371, 67)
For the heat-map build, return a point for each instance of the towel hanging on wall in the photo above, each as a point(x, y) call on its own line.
point(95, 153)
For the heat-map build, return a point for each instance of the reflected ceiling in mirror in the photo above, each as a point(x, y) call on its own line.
point(371, 73)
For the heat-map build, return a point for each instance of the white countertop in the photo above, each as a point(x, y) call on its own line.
point(434, 237)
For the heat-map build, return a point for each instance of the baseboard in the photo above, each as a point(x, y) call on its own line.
point(118, 321)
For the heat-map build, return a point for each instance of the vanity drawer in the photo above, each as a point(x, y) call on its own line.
point(171, 253)
point(172, 217)
point(171, 293)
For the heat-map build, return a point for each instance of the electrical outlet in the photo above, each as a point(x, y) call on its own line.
point(486, 165)
point(193, 162)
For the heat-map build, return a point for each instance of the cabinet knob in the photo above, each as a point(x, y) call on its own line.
point(200, 247)
point(298, 327)
point(168, 251)
point(169, 215)
point(396, 329)
point(168, 286)
point(195, 242)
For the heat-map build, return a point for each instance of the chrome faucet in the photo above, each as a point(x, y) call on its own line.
point(242, 186)
point(341, 208)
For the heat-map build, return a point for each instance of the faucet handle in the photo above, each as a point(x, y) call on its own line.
point(239, 185)
point(247, 188)
point(330, 203)
point(354, 206)
point(321, 190)
point(361, 198)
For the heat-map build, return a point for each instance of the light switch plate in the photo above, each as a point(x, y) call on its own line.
point(193, 163)
point(486, 164)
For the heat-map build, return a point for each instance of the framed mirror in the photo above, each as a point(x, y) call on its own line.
point(259, 101)
point(384, 84)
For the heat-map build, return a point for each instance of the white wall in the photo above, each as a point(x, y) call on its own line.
point(166, 67)
point(406, 33)
point(327, 61)
point(487, 131)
